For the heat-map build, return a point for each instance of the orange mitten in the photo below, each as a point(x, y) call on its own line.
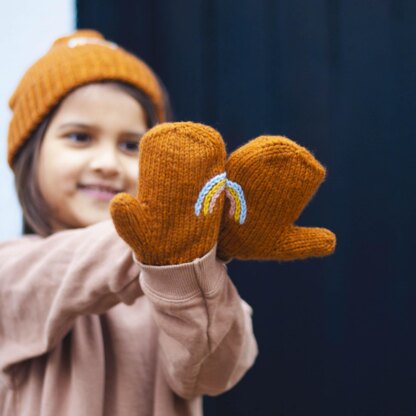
point(176, 214)
point(270, 181)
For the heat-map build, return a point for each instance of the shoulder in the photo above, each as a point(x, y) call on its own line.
point(96, 241)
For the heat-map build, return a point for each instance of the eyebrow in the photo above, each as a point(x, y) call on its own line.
point(81, 125)
point(88, 126)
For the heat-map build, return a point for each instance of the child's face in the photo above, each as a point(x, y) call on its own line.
point(89, 153)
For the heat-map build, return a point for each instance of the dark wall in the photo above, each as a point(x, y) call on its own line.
point(336, 335)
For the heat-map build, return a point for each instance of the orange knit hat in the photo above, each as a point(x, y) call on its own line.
point(80, 58)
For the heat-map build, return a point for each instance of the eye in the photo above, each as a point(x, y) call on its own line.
point(130, 146)
point(78, 137)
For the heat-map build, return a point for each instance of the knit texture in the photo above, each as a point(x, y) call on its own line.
point(278, 178)
point(72, 61)
point(177, 162)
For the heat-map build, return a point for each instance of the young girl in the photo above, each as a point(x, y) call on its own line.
point(85, 327)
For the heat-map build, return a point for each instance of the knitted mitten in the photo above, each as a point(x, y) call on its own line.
point(270, 181)
point(176, 214)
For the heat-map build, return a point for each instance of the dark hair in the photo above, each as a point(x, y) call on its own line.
point(36, 213)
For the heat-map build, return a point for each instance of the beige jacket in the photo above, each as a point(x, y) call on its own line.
point(86, 331)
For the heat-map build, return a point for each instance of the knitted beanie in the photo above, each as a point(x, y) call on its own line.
point(80, 58)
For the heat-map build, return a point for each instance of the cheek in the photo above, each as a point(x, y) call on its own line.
point(47, 176)
point(49, 188)
point(131, 171)
point(57, 175)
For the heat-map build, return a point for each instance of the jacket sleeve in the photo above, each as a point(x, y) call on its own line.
point(45, 283)
point(206, 337)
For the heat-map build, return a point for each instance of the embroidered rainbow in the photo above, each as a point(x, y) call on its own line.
point(209, 194)
point(213, 189)
point(235, 194)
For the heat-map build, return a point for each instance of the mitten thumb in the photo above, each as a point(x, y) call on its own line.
point(303, 242)
point(130, 222)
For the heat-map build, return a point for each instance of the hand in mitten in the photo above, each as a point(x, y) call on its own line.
point(176, 214)
point(270, 181)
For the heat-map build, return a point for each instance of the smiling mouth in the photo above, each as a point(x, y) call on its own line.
point(99, 192)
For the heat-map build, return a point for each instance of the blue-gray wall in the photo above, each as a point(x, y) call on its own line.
point(336, 335)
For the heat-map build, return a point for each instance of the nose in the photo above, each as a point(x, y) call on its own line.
point(105, 161)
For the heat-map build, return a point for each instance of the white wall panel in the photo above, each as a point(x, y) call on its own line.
point(27, 29)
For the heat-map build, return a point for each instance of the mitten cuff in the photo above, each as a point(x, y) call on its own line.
point(181, 282)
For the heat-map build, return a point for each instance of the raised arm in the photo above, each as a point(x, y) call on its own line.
point(206, 338)
point(46, 283)
point(172, 225)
